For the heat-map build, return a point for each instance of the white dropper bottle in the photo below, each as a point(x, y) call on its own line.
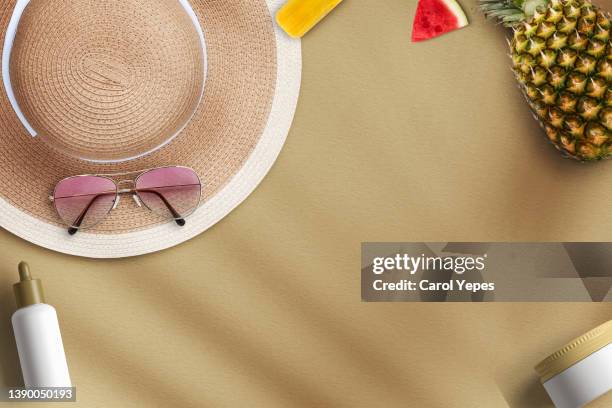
point(37, 333)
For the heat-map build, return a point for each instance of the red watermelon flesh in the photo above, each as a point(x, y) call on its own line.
point(437, 17)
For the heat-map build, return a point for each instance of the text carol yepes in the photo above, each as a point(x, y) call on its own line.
point(426, 285)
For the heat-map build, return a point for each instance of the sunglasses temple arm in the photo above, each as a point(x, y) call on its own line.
point(77, 223)
point(177, 217)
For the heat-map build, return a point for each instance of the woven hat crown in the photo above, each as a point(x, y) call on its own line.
point(107, 80)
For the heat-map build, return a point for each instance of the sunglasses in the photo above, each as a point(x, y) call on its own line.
point(84, 201)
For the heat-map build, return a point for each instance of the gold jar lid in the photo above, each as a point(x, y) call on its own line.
point(575, 351)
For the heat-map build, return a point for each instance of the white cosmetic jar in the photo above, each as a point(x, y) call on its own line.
point(581, 371)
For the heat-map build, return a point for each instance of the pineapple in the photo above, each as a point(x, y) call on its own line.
point(562, 59)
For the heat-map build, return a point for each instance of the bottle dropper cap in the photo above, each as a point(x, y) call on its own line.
point(28, 291)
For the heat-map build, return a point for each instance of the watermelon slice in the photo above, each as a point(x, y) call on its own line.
point(436, 17)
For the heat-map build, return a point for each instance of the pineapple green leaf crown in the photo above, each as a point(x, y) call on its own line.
point(562, 59)
point(511, 12)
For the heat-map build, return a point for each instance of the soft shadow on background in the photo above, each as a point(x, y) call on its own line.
point(528, 393)
point(533, 394)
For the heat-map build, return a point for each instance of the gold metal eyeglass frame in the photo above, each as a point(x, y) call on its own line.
point(178, 218)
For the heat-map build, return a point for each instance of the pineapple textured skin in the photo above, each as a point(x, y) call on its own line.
point(562, 59)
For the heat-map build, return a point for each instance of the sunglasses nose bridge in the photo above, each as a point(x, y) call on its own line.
point(125, 183)
point(123, 187)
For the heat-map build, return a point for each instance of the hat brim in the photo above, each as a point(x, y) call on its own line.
point(213, 208)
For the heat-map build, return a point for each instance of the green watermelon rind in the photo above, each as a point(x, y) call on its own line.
point(456, 9)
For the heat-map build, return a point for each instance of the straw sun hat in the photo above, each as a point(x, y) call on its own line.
point(110, 86)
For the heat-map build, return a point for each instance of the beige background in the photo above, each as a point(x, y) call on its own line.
point(392, 141)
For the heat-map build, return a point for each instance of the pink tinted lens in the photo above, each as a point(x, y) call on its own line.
point(172, 192)
point(84, 201)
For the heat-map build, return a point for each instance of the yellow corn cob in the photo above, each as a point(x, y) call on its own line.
point(297, 17)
